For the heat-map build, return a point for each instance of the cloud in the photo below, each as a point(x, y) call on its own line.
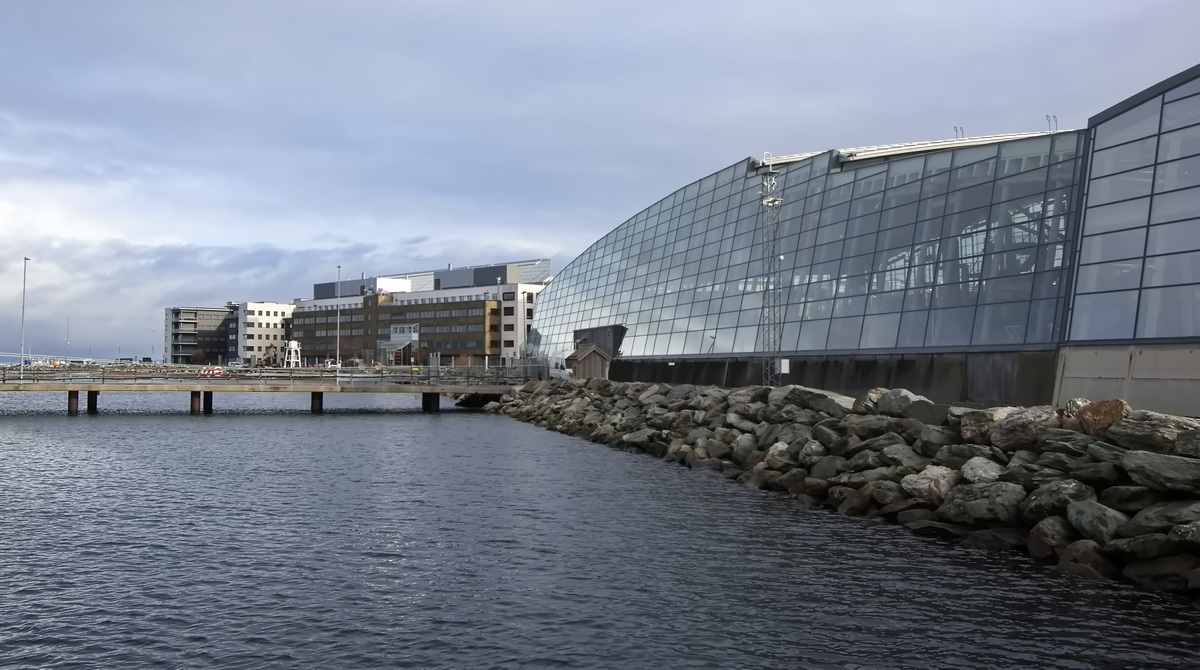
point(171, 153)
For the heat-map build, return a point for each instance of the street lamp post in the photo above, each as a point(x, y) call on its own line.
point(24, 274)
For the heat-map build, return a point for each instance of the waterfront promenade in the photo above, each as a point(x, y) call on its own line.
point(202, 383)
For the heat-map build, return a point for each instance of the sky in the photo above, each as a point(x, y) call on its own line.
point(157, 154)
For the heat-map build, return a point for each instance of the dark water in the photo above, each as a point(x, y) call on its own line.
point(264, 537)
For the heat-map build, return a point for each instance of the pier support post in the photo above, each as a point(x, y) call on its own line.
point(317, 405)
point(208, 402)
point(195, 408)
point(431, 402)
point(72, 403)
point(93, 402)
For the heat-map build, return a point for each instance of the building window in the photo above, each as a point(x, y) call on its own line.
point(528, 297)
point(495, 311)
point(495, 328)
point(508, 343)
point(508, 327)
point(495, 344)
point(508, 311)
point(509, 295)
point(529, 313)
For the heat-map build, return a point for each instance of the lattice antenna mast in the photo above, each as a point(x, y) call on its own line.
point(771, 321)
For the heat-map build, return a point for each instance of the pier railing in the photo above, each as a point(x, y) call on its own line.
point(383, 376)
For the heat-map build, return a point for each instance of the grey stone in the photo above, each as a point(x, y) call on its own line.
point(836, 495)
point(1163, 472)
point(1053, 498)
point(794, 432)
point(900, 506)
point(810, 486)
point(864, 460)
point(1160, 517)
point(888, 492)
point(926, 411)
point(857, 479)
point(1187, 535)
point(933, 438)
point(1058, 461)
point(1086, 554)
point(1064, 441)
point(907, 516)
point(740, 422)
point(866, 425)
point(902, 454)
point(788, 479)
point(955, 455)
point(954, 415)
point(1030, 476)
point(1129, 499)
point(827, 436)
point(1022, 457)
point(983, 503)
point(1144, 430)
point(980, 470)
point(1187, 443)
point(873, 444)
point(1099, 475)
point(1106, 453)
point(805, 500)
point(1095, 418)
point(742, 447)
point(931, 484)
point(893, 402)
point(1140, 548)
point(1167, 573)
point(758, 476)
point(833, 404)
point(827, 467)
point(938, 528)
point(1095, 521)
point(810, 453)
point(717, 449)
point(855, 504)
point(786, 395)
point(977, 425)
point(778, 457)
point(1049, 536)
point(1020, 429)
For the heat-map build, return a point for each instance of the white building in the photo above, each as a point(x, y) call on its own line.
point(259, 332)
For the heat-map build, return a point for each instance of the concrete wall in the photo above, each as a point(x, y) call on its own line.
point(1162, 377)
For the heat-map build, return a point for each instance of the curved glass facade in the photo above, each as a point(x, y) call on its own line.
point(887, 249)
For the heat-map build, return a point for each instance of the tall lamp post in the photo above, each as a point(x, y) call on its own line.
point(337, 357)
point(24, 274)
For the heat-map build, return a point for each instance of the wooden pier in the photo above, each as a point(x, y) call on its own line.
point(201, 384)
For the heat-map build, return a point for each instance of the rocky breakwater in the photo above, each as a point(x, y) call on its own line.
point(1100, 489)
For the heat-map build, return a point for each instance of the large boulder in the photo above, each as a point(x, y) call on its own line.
point(866, 425)
point(902, 454)
point(827, 467)
point(1150, 431)
point(1187, 444)
point(865, 403)
point(864, 460)
point(893, 402)
point(1169, 573)
point(1002, 538)
point(977, 425)
point(931, 484)
point(1130, 499)
point(812, 451)
point(874, 444)
point(956, 455)
point(980, 469)
point(1163, 472)
point(742, 447)
point(1095, 418)
point(1140, 548)
point(833, 404)
point(1052, 499)
point(932, 438)
point(1049, 536)
point(983, 503)
point(1160, 517)
point(1020, 429)
point(1030, 476)
point(779, 459)
point(1083, 558)
point(1187, 536)
point(1095, 521)
point(887, 492)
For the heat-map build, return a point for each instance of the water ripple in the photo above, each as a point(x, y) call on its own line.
point(276, 539)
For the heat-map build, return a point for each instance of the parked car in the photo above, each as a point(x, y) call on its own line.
point(212, 371)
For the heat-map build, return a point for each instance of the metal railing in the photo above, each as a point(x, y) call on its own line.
point(374, 376)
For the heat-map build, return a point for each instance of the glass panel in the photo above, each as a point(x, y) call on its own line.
point(950, 327)
point(863, 225)
point(1012, 237)
point(1175, 205)
point(1007, 289)
point(1120, 187)
point(1181, 236)
point(1066, 145)
point(902, 195)
point(1041, 321)
point(844, 333)
point(1024, 155)
point(880, 303)
point(1170, 312)
point(1137, 123)
point(880, 331)
point(955, 295)
point(1178, 144)
point(1001, 324)
point(1175, 269)
point(1104, 316)
point(1046, 284)
point(1062, 175)
point(1109, 276)
point(935, 185)
point(1180, 114)
point(973, 154)
point(1020, 186)
point(1008, 263)
point(1178, 174)
point(912, 329)
point(971, 175)
point(899, 216)
point(813, 335)
point(905, 170)
point(976, 196)
point(1113, 246)
point(1122, 158)
point(1116, 217)
point(1184, 90)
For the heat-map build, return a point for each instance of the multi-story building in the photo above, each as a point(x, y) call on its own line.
point(195, 334)
point(1024, 268)
point(258, 332)
point(466, 316)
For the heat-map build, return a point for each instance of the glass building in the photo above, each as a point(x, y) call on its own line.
point(959, 267)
